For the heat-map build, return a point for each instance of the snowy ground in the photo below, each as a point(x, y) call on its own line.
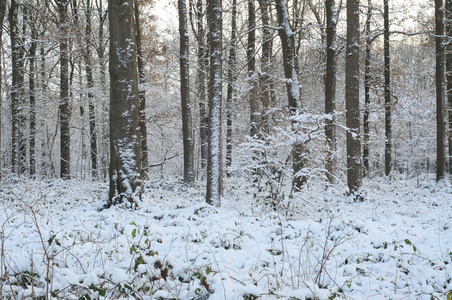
point(397, 244)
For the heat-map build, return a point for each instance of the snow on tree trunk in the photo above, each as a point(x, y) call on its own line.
point(185, 95)
point(214, 158)
point(387, 92)
point(354, 168)
point(2, 17)
point(330, 89)
point(125, 155)
point(367, 79)
point(440, 128)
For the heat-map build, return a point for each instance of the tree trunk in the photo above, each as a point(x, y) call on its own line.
point(15, 86)
point(125, 157)
point(64, 109)
point(214, 158)
point(266, 65)
point(2, 17)
point(440, 151)
point(330, 89)
point(232, 61)
point(31, 84)
point(185, 94)
point(91, 99)
point(367, 78)
point(201, 83)
point(251, 64)
point(449, 77)
point(354, 168)
point(387, 91)
point(293, 93)
point(142, 91)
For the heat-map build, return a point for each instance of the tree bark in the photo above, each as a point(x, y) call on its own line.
point(31, 85)
point(142, 91)
point(440, 150)
point(367, 79)
point(232, 77)
point(449, 77)
point(185, 94)
point(2, 17)
point(266, 65)
point(330, 89)
point(91, 99)
point(64, 108)
point(251, 65)
point(201, 83)
point(387, 92)
point(214, 158)
point(293, 93)
point(354, 168)
point(125, 157)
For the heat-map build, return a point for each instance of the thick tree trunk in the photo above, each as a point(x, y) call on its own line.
point(185, 94)
point(232, 61)
point(387, 91)
point(64, 109)
point(214, 158)
point(440, 128)
point(367, 78)
point(330, 89)
point(142, 91)
point(125, 156)
point(354, 167)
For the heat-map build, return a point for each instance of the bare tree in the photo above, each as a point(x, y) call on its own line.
point(251, 65)
point(330, 88)
point(232, 61)
point(64, 108)
point(440, 136)
point(354, 166)
point(125, 156)
point(142, 91)
point(448, 29)
point(2, 17)
point(293, 91)
point(367, 79)
point(185, 94)
point(387, 91)
point(214, 158)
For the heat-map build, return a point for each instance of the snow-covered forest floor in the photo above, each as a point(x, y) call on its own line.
point(57, 241)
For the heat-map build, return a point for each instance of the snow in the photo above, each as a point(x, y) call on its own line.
point(396, 244)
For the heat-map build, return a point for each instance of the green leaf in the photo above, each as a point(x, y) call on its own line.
point(134, 233)
point(449, 295)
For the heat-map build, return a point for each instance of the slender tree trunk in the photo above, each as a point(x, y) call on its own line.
point(232, 61)
point(330, 89)
point(31, 84)
point(266, 64)
point(91, 99)
point(367, 78)
point(354, 167)
point(64, 109)
point(185, 94)
point(387, 91)
point(293, 92)
point(2, 17)
point(214, 158)
point(125, 155)
point(142, 91)
point(14, 87)
point(449, 77)
point(201, 83)
point(251, 64)
point(440, 151)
